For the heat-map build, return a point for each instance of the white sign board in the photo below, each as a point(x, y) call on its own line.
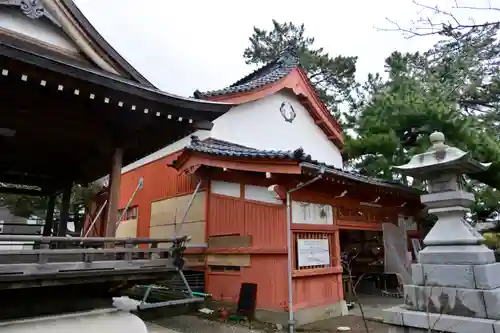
point(313, 252)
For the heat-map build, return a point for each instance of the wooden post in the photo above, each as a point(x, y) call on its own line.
point(114, 193)
point(49, 216)
point(62, 230)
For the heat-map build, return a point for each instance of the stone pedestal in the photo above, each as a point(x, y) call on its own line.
point(460, 296)
point(456, 284)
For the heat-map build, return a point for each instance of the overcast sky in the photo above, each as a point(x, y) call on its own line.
point(185, 45)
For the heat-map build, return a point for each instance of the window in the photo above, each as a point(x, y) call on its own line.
point(132, 213)
point(224, 268)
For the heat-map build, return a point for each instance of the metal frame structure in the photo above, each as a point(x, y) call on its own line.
point(191, 298)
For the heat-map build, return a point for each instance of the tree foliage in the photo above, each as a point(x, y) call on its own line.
point(333, 77)
point(35, 207)
point(454, 87)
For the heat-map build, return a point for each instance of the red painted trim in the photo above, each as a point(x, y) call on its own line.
point(242, 250)
point(193, 160)
point(301, 227)
point(359, 225)
point(179, 194)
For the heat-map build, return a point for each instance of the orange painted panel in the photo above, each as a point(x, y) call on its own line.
point(267, 271)
point(223, 286)
point(225, 216)
point(316, 290)
point(266, 224)
point(160, 182)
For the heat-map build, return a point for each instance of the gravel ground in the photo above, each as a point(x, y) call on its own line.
point(196, 324)
point(354, 322)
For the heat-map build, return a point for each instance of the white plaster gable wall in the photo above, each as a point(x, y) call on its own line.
point(42, 29)
point(259, 124)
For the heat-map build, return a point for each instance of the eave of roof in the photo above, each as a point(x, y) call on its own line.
point(219, 148)
point(103, 44)
point(110, 81)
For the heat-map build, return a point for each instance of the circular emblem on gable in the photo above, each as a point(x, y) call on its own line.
point(287, 112)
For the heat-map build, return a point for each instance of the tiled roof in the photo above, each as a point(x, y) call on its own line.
point(217, 147)
point(270, 73)
point(223, 148)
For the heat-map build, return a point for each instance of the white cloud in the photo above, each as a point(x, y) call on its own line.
point(196, 44)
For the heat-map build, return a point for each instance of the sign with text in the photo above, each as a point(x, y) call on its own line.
point(313, 252)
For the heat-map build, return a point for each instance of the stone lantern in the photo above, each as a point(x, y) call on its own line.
point(456, 283)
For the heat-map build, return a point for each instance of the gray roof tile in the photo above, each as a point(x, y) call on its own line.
point(223, 148)
point(270, 73)
point(217, 147)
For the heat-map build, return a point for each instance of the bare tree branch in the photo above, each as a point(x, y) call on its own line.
point(449, 25)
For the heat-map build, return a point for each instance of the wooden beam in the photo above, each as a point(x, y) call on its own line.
point(22, 191)
point(49, 216)
point(22, 179)
point(114, 193)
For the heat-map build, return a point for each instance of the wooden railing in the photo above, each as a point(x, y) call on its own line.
point(65, 255)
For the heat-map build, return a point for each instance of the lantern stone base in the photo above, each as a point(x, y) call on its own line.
point(449, 298)
point(457, 254)
point(407, 321)
point(484, 277)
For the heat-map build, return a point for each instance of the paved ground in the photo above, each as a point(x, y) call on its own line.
point(160, 322)
point(153, 328)
point(373, 306)
point(354, 322)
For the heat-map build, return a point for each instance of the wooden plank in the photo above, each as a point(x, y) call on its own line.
point(195, 259)
point(195, 230)
point(53, 268)
point(116, 240)
point(231, 241)
point(242, 260)
point(127, 228)
point(171, 210)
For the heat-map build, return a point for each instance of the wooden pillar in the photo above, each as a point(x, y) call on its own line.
point(62, 230)
point(49, 216)
point(114, 193)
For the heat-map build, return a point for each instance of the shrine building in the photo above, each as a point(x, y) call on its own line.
point(277, 136)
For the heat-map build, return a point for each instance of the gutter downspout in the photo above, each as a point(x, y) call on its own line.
point(291, 313)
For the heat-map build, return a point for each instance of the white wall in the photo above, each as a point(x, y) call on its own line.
point(172, 148)
point(260, 125)
point(42, 29)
